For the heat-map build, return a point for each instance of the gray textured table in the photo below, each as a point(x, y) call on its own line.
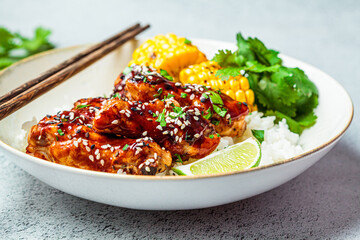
point(322, 203)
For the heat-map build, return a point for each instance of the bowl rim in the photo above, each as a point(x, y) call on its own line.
point(141, 177)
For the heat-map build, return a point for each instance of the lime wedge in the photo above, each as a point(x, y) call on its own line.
point(240, 156)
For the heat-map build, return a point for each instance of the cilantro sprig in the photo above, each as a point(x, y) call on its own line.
point(14, 46)
point(280, 91)
point(166, 75)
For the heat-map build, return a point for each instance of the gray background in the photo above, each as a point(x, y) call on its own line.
point(322, 203)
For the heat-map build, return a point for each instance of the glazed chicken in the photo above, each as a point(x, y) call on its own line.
point(145, 84)
point(69, 139)
point(182, 131)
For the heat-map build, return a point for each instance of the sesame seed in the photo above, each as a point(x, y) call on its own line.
point(182, 127)
point(91, 157)
point(76, 144)
point(228, 116)
point(85, 142)
point(115, 122)
point(128, 115)
point(97, 151)
point(71, 114)
point(88, 149)
point(144, 133)
point(155, 155)
point(120, 88)
point(112, 149)
point(201, 89)
point(188, 90)
point(192, 96)
point(165, 132)
point(104, 146)
point(171, 133)
point(159, 127)
point(180, 139)
point(176, 130)
point(197, 135)
point(196, 118)
point(151, 160)
point(147, 169)
point(177, 84)
point(122, 111)
point(102, 162)
point(176, 138)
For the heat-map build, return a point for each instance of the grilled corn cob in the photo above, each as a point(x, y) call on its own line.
point(168, 52)
point(204, 74)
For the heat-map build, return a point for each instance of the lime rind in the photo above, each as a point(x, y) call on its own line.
point(227, 161)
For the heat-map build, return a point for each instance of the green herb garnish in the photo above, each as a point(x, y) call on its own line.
point(14, 47)
point(183, 95)
point(82, 106)
point(280, 91)
point(116, 95)
point(161, 119)
point(204, 95)
point(215, 98)
point(211, 136)
point(178, 158)
point(187, 41)
point(209, 115)
point(166, 75)
point(125, 147)
point(258, 134)
point(220, 111)
point(61, 133)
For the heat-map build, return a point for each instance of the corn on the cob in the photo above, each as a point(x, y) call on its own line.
point(168, 52)
point(204, 74)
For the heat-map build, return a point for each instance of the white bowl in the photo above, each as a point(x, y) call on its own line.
point(334, 112)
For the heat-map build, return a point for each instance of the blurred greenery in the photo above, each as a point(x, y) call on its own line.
point(14, 46)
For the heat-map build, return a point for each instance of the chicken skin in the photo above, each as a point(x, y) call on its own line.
point(69, 139)
point(145, 84)
point(180, 130)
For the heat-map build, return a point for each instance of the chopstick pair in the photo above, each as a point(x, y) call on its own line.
point(27, 92)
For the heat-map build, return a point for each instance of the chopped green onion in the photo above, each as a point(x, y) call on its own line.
point(125, 147)
point(82, 106)
point(61, 133)
point(183, 95)
point(178, 157)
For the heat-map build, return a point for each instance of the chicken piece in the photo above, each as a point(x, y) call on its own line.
point(69, 139)
point(180, 130)
point(144, 84)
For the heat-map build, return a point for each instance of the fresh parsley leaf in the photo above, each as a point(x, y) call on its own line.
point(215, 98)
point(258, 134)
point(166, 75)
point(183, 95)
point(82, 106)
point(208, 115)
point(161, 119)
point(211, 136)
point(218, 110)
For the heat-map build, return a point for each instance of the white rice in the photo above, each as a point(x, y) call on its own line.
point(279, 143)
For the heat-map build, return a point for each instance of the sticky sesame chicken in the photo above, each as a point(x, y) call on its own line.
point(69, 139)
point(182, 131)
point(145, 84)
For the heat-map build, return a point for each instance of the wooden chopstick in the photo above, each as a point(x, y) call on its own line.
point(27, 95)
point(62, 65)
